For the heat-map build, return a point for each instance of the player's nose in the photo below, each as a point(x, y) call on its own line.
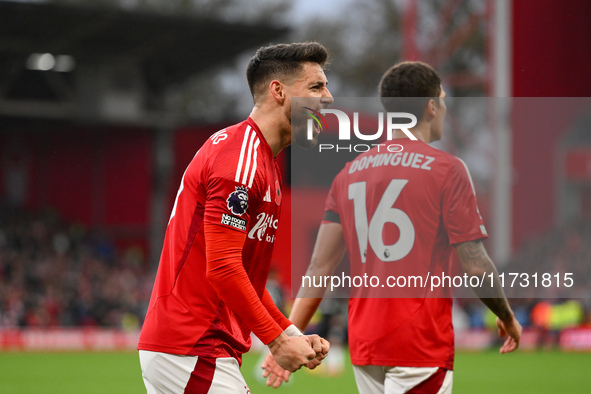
point(326, 98)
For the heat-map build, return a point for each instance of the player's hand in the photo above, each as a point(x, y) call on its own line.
point(513, 329)
point(321, 347)
point(273, 372)
point(291, 353)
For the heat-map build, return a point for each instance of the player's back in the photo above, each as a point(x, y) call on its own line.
point(390, 206)
point(400, 213)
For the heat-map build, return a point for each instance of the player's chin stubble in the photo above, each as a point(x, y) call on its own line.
point(301, 140)
point(299, 131)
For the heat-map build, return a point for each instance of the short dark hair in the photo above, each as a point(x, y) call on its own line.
point(409, 79)
point(282, 61)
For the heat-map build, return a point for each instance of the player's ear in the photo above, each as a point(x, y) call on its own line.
point(431, 108)
point(277, 91)
point(428, 112)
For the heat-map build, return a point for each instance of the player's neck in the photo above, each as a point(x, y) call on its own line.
point(271, 129)
point(421, 133)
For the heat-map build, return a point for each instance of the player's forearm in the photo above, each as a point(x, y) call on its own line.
point(227, 276)
point(329, 250)
point(303, 310)
point(476, 262)
point(274, 311)
point(500, 307)
point(236, 291)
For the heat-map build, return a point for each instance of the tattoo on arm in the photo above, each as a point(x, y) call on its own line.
point(476, 262)
point(499, 306)
point(474, 254)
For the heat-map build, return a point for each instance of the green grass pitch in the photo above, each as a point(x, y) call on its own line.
point(484, 372)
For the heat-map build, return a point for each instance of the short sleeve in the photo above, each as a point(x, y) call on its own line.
point(461, 217)
point(227, 202)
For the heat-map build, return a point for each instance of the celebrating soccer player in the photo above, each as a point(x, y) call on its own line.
point(405, 345)
point(209, 293)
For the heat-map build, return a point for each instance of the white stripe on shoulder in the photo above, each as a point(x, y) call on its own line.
point(254, 166)
point(469, 176)
point(249, 157)
point(242, 151)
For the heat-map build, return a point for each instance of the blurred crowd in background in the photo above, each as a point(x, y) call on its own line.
point(56, 274)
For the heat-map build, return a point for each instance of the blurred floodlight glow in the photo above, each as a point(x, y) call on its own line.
point(43, 61)
point(47, 62)
point(64, 63)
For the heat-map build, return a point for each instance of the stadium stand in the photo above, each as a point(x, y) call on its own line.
point(56, 274)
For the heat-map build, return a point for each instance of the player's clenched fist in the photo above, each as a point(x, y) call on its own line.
point(291, 353)
point(321, 347)
point(276, 375)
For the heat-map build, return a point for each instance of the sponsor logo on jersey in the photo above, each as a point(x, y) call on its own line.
point(238, 201)
point(267, 197)
point(264, 221)
point(233, 221)
point(277, 198)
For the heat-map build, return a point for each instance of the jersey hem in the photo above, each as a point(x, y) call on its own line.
point(186, 352)
point(468, 238)
point(403, 363)
point(165, 349)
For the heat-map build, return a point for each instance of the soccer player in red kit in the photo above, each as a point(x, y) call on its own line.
point(209, 293)
point(404, 345)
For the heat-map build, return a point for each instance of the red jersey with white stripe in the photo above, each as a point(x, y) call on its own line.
point(232, 181)
point(402, 213)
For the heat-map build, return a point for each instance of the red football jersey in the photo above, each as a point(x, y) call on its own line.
point(401, 214)
point(234, 181)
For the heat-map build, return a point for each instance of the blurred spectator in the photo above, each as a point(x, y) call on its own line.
point(52, 274)
point(565, 249)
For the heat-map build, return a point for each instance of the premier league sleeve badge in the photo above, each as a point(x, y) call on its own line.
point(238, 201)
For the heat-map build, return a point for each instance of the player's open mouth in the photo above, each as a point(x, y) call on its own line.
point(316, 129)
point(317, 125)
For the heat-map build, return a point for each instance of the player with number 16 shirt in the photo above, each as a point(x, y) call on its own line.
point(402, 214)
point(406, 214)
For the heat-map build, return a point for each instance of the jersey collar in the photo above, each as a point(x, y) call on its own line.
point(264, 142)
